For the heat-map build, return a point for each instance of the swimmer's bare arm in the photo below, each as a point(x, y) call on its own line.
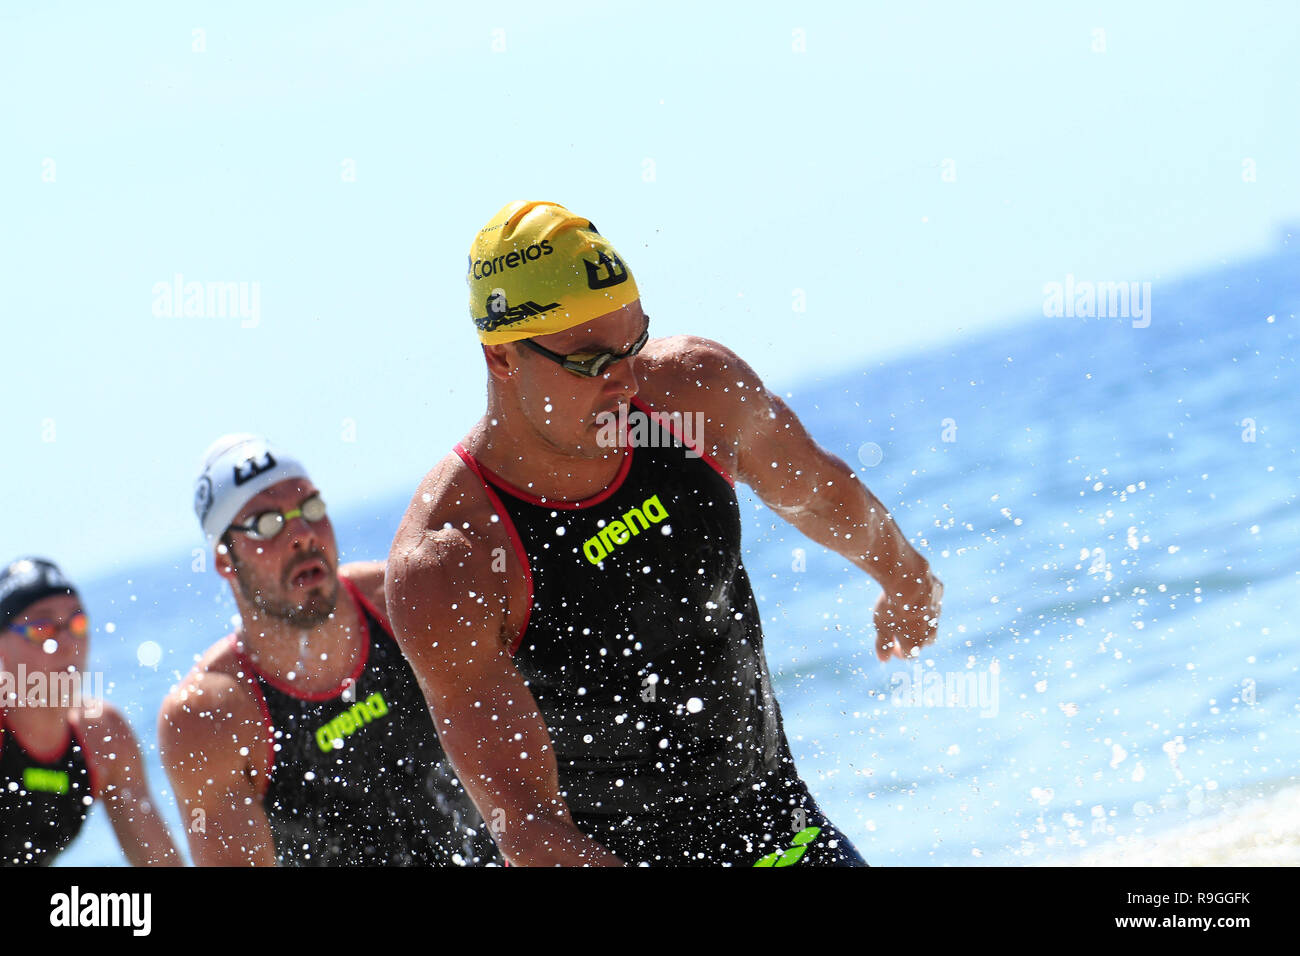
point(213, 741)
point(449, 613)
point(754, 433)
point(120, 778)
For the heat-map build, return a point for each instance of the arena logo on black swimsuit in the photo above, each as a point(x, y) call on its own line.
point(44, 780)
point(618, 533)
point(350, 721)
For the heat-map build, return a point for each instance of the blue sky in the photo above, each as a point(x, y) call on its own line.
point(341, 159)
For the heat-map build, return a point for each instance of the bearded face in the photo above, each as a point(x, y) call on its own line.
point(303, 592)
point(291, 575)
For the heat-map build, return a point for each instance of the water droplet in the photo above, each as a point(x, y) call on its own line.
point(870, 454)
point(149, 654)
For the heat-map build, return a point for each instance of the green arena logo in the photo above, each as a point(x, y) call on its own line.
point(618, 533)
point(45, 781)
point(802, 840)
point(331, 736)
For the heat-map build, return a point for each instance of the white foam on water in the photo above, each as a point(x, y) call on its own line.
point(1248, 830)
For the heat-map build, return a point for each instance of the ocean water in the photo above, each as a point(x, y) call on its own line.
point(1113, 511)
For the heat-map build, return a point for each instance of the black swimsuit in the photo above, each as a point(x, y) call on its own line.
point(358, 776)
point(43, 803)
point(644, 650)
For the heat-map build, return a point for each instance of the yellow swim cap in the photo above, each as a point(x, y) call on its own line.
point(536, 268)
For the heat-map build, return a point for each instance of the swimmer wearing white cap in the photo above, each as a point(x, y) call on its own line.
point(303, 737)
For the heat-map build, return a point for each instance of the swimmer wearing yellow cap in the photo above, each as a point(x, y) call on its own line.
point(536, 268)
point(572, 596)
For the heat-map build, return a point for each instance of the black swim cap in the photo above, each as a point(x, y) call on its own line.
point(26, 581)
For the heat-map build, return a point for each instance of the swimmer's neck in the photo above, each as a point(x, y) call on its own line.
point(312, 659)
point(39, 730)
point(506, 443)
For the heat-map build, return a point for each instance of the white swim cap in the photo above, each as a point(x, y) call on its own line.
point(235, 470)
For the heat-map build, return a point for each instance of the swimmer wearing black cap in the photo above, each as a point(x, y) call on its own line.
point(62, 750)
point(302, 738)
point(569, 584)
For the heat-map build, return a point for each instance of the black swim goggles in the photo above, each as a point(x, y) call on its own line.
point(590, 364)
point(268, 524)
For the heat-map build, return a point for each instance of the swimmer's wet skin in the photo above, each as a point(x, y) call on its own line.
point(599, 678)
point(307, 722)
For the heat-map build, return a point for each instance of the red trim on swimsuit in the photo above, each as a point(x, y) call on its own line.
point(325, 694)
point(486, 476)
point(515, 540)
point(86, 758)
point(672, 427)
point(366, 603)
point(72, 735)
point(359, 601)
point(251, 677)
point(52, 758)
